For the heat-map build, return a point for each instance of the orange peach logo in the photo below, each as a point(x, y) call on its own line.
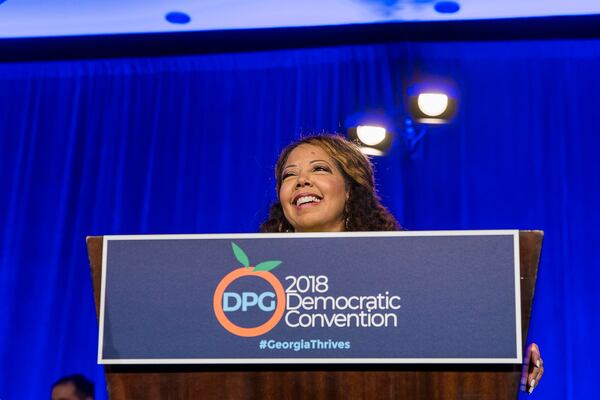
point(225, 302)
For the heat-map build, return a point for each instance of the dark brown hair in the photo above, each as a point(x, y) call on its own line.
point(84, 388)
point(363, 210)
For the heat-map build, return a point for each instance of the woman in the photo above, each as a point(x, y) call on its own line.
point(325, 184)
point(340, 180)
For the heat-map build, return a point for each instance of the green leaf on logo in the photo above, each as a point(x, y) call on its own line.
point(266, 265)
point(240, 255)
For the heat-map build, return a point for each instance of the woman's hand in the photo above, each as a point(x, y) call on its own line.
point(533, 369)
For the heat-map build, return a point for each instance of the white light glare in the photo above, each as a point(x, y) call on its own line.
point(370, 151)
point(432, 104)
point(370, 135)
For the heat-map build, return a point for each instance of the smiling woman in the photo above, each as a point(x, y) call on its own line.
point(325, 184)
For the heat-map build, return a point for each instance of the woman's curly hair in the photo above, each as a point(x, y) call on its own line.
point(363, 210)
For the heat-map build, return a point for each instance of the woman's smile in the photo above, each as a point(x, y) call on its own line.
point(306, 200)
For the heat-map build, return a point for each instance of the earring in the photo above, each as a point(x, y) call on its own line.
point(347, 217)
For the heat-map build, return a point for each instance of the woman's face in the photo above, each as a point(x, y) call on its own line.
point(313, 192)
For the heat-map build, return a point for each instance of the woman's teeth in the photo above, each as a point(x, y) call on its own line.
point(307, 199)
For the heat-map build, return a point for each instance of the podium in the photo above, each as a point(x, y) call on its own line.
point(315, 382)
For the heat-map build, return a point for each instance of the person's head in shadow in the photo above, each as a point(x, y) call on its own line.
point(73, 387)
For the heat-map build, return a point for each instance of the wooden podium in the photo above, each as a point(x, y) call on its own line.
point(443, 381)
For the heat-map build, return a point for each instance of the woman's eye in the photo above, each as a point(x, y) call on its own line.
point(321, 168)
point(286, 175)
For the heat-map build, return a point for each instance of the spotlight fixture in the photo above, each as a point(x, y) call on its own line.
point(370, 135)
point(178, 17)
point(431, 105)
point(447, 7)
point(371, 131)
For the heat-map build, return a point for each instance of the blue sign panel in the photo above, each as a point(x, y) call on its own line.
point(368, 297)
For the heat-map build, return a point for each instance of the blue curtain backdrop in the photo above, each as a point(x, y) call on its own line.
point(187, 145)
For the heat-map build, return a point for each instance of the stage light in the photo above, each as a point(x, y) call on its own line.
point(431, 105)
point(447, 7)
point(178, 17)
point(370, 135)
point(373, 140)
point(371, 132)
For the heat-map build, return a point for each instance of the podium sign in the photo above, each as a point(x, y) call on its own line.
point(354, 297)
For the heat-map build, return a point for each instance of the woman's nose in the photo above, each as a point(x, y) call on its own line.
point(303, 180)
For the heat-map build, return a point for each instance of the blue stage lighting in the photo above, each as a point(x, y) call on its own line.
point(447, 7)
point(177, 17)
